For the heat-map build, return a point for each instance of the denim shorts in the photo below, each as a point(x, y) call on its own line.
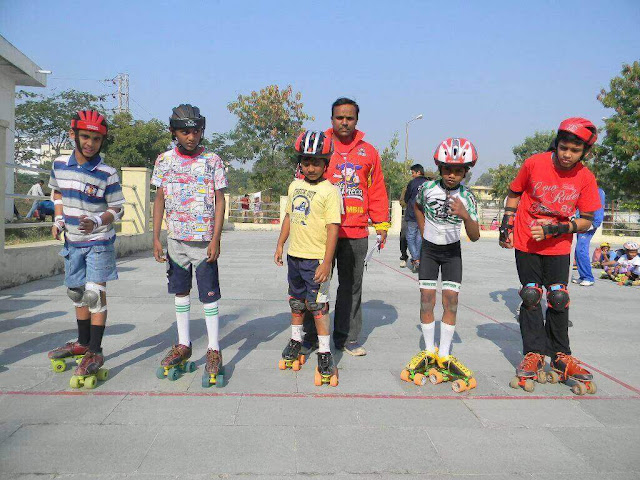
point(95, 264)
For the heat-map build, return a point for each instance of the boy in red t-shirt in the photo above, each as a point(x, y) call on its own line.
point(539, 222)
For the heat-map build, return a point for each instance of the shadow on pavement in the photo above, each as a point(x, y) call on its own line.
point(506, 339)
point(6, 325)
point(509, 297)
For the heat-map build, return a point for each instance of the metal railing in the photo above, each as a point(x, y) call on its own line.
point(268, 213)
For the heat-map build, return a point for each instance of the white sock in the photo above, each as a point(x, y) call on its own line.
point(429, 334)
point(183, 306)
point(446, 335)
point(212, 320)
point(323, 343)
point(296, 332)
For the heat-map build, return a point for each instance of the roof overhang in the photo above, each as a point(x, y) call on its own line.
point(17, 66)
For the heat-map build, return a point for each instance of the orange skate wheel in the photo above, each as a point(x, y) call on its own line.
point(404, 375)
point(458, 386)
point(296, 365)
point(419, 379)
point(317, 378)
point(282, 365)
point(591, 389)
point(472, 383)
point(435, 376)
point(529, 385)
point(302, 359)
point(333, 381)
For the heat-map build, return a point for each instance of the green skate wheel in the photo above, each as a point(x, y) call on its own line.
point(160, 373)
point(103, 373)
point(58, 366)
point(221, 370)
point(220, 380)
point(173, 374)
point(205, 380)
point(91, 382)
point(190, 367)
point(75, 382)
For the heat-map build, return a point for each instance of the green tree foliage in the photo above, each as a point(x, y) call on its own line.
point(618, 159)
point(135, 143)
point(485, 180)
point(268, 123)
point(46, 119)
point(396, 174)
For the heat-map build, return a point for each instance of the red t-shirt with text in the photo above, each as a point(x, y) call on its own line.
point(550, 195)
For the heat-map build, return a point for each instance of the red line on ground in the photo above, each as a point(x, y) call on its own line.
point(371, 396)
point(606, 375)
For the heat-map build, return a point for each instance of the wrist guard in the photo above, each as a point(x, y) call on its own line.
point(59, 222)
point(551, 231)
point(506, 228)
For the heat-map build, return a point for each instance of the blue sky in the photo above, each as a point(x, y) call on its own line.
point(494, 72)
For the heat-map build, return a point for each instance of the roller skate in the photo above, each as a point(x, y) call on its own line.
point(70, 350)
point(449, 368)
point(214, 370)
point(565, 367)
point(291, 357)
point(175, 362)
point(326, 371)
point(530, 370)
point(417, 368)
point(89, 372)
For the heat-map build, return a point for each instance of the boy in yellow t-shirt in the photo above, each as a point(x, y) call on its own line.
point(312, 219)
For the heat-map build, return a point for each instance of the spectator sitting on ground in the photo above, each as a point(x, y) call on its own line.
point(628, 267)
point(603, 256)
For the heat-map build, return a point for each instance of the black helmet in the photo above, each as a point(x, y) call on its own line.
point(186, 116)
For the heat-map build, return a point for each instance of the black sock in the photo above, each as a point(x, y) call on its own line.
point(95, 342)
point(84, 331)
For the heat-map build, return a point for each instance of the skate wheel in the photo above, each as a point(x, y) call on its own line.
point(295, 366)
point(91, 382)
point(472, 383)
point(160, 373)
point(302, 359)
point(75, 382)
point(542, 376)
point(173, 374)
point(419, 379)
point(404, 375)
point(435, 376)
point(317, 378)
point(205, 380)
point(553, 377)
point(458, 386)
point(282, 365)
point(220, 380)
point(591, 389)
point(103, 374)
point(190, 367)
point(579, 389)
point(529, 385)
point(333, 381)
point(58, 366)
point(515, 382)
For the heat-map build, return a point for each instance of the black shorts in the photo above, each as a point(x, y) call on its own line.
point(182, 256)
point(435, 258)
point(301, 284)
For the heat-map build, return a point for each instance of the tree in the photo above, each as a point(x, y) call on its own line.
point(485, 180)
point(135, 143)
point(268, 123)
point(396, 174)
point(618, 159)
point(47, 119)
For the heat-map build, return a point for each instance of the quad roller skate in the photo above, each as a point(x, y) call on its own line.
point(69, 351)
point(530, 370)
point(89, 372)
point(175, 362)
point(565, 367)
point(326, 371)
point(291, 357)
point(214, 370)
point(417, 368)
point(448, 369)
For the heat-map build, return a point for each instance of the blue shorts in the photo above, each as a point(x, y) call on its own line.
point(182, 256)
point(96, 264)
point(301, 284)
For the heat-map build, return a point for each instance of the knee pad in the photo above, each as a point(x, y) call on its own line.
point(531, 294)
point(297, 306)
point(92, 297)
point(76, 294)
point(318, 309)
point(558, 297)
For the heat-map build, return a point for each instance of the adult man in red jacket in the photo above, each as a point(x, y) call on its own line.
point(356, 170)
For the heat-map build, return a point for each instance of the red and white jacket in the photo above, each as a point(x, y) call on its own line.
point(356, 170)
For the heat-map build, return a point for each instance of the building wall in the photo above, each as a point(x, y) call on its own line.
point(7, 113)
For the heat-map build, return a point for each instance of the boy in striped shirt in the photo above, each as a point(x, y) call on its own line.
point(87, 198)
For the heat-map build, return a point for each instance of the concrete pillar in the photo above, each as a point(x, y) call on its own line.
point(227, 200)
point(135, 187)
point(3, 172)
point(283, 208)
point(396, 217)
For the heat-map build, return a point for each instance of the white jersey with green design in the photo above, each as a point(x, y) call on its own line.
point(440, 226)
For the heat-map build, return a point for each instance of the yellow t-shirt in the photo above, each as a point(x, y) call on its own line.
point(311, 208)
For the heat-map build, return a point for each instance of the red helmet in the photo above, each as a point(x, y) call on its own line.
point(89, 120)
point(314, 144)
point(456, 151)
point(581, 128)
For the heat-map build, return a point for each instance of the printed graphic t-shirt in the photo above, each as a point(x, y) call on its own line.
point(189, 185)
point(550, 196)
point(311, 208)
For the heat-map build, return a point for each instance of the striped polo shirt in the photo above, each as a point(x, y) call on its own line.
point(86, 189)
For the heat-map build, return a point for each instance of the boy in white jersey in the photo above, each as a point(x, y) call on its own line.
point(191, 185)
point(312, 221)
point(441, 207)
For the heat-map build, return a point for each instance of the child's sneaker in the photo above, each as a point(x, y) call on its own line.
point(586, 283)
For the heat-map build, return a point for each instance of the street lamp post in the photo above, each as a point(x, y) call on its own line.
point(406, 138)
